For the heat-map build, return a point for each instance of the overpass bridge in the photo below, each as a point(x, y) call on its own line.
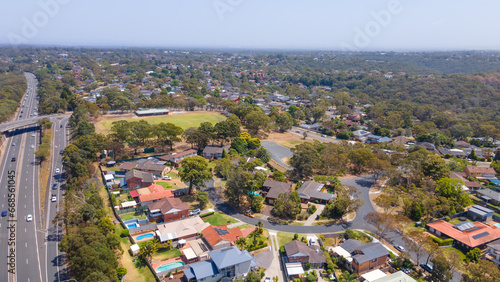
point(12, 125)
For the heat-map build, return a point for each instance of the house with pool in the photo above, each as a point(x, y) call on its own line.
point(230, 262)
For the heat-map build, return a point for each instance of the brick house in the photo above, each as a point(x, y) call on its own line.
point(361, 258)
point(153, 193)
point(465, 235)
point(167, 209)
point(310, 191)
point(220, 236)
point(274, 188)
point(138, 179)
point(176, 158)
point(479, 172)
point(297, 251)
point(215, 152)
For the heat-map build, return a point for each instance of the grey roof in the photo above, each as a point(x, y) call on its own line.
point(201, 270)
point(215, 149)
point(399, 276)
point(490, 193)
point(145, 176)
point(479, 210)
point(351, 245)
point(314, 253)
point(370, 252)
point(276, 188)
point(228, 257)
point(494, 245)
point(311, 190)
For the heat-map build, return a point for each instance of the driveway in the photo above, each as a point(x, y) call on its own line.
point(278, 152)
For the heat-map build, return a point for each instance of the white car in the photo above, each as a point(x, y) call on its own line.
point(13, 144)
point(166, 177)
point(195, 212)
point(53, 199)
point(57, 170)
point(32, 146)
point(33, 135)
point(29, 218)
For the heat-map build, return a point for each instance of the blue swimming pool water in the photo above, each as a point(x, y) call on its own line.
point(169, 266)
point(149, 235)
point(132, 225)
point(497, 225)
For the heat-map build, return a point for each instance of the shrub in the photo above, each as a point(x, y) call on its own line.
point(124, 233)
point(295, 236)
point(260, 246)
point(308, 266)
point(207, 214)
point(299, 217)
point(447, 218)
point(442, 242)
point(322, 237)
point(311, 209)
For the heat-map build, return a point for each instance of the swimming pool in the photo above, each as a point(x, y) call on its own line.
point(132, 225)
point(144, 236)
point(497, 225)
point(170, 265)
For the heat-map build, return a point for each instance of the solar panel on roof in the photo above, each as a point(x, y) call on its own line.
point(480, 235)
point(464, 226)
point(221, 231)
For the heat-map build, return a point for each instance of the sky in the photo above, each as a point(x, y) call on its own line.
point(344, 25)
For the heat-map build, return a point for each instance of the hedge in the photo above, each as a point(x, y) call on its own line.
point(207, 214)
point(253, 248)
point(442, 242)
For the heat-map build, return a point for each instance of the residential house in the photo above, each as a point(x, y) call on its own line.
point(154, 166)
point(479, 172)
point(176, 158)
point(215, 152)
point(465, 235)
point(225, 263)
point(489, 196)
point(297, 251)
point(462, 144)
point(188, 229)
point(398, 276)
point(360, 134)
point(427, 145)
point(480, 213)
point(375, 139)
point(220, 236)
point(167, 209)
point(314, 126)
point(274, 188)
point(361, 258)
point(401, 140)
point(470, 185)
point(493, 252)
point(151, 194)
point(452, 152)
point(138, 179)
point(310, 191)
point(110, 179)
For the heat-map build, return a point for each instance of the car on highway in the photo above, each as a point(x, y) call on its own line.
point(4, 213)
point(33, 135)
point(298, 131)
point(53, 199)
point(29, 217)
point(323, 135)
point(426, 266)
point(20, 116)
point(32, 146)
point(13, 159)
point(13, 144)
point(60, 152)
point(60, 126)
point(57, 170)
point(399, 248)
point(195, 212)
point(54, 186)
point(249, 213)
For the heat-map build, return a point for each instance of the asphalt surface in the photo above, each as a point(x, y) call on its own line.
point(278, 152)
point(55, 260)
point(21, 145)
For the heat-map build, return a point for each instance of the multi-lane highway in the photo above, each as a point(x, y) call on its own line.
point(27, 235)
point(19, 178)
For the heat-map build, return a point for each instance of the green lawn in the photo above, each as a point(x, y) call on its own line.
point(219, 219)
point(161, 256)
point(284, 237)
point(166, 185)
point(244, 226)
point(181, 120)
point(132, 215)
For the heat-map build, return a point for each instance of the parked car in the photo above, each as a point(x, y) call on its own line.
point(249, 213)
point(54, 186)
point(57, 170)
point(195, 212)
point(13, 144)
point(4, 213)
point(323, 135)
point(298, 131)
point(399, 248)
point(53, 199)
point(166, 177)
point(29, 217)
point(267, 279)
point(426, 266)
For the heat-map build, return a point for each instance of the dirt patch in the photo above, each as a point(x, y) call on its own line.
point(287, 139)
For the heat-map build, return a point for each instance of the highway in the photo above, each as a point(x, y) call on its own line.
point(20, 199)
point(55, 260)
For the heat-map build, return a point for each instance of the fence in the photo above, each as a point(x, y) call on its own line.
point(141, 208)
point(148, 227)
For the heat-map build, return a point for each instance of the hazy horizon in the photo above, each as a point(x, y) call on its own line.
point(325, 25)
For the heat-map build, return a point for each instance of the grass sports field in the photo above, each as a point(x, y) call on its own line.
point(185, 120)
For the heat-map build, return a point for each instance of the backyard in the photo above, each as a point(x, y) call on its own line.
point(133, 215)
point(165, 255)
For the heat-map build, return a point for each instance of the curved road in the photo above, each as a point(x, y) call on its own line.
point(363, 183)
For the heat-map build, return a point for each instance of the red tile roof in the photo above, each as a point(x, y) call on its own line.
point(134, 194)
point(157, 193)
point(213, 238)
point(467, 236)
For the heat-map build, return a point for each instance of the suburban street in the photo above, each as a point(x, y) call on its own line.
point(21, 145)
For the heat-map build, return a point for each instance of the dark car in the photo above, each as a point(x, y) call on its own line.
point(426, 266)
point(54, 186)
point(60, 126)
point(13, 159)
point(4, 213)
